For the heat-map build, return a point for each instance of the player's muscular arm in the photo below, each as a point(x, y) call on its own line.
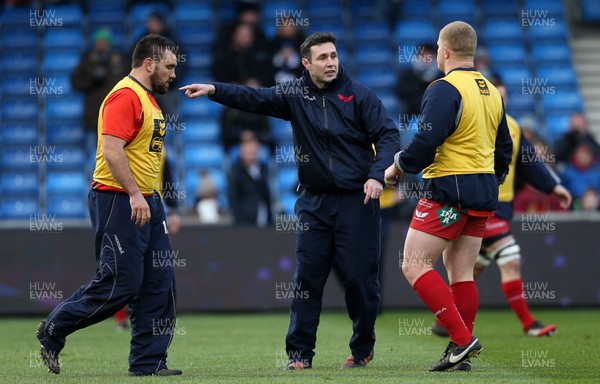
point(118, 164)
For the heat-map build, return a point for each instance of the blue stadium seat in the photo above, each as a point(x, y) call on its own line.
point(193, 14)
point(551, 53)
point(226, 10)
point(412, 9)
point(519, 103)
point(22, 132)
point(557, 123)
point(20, 16)
point(18, 207)
point(64, 108)
point(540, 34)
point(74, 206)
point(19, 85)
point(452, 10)
point(63, 62)
point(272, 10)
point(68, 14)
point(203, 156)
point(65, 132)
point(501, 54)
point(562, 101)
point(330, 11)
point(549, 8)
point(563, 76)
point(19, 62)
point(62, 82)
point(61, 183)
point(19, 38)
point(202, 131)
point(414, 32)
point(25, 108)
point(198, 59)
point(287, 179)
point(58, 39)
point(66, 158)
point(197, 35)
point(500, 8)
point(371, 32)
point(590, 10)
point(288, 201)
point(514, 77)
point(18, 158)
point(140, 11)
point(502, 31)
point(19, 183)
point(105, 13)
point(202, 107)
point(377, 79)
point(367, 55)
point(281, 130)
point(389, 101)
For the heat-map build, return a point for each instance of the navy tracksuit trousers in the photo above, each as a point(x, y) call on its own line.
point(339, 231)
point(133, 266)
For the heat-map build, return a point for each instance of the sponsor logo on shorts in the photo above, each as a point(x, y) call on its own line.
point(420, 215)
point(448, 216)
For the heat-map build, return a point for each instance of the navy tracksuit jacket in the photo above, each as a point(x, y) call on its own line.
point(334, 130)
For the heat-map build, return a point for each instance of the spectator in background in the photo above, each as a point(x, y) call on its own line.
point(248, 12)
point(99, 69)
point(234, 122)
point(413, 81)
point(527, 198)
point(242, 58)
point(249, 194)
point(589, 202)
point(286, 60)
point(529, 127)
point(207, 204)
point(582, 172)
point(482, 63)
point(577, 135)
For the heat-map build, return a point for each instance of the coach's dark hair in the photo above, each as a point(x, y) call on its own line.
point(151, 46)
point(315, 39)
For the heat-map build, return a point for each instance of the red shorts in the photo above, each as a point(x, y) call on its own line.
point(448, 222)
point(496, 226)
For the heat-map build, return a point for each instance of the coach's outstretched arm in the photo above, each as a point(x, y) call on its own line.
point(264, 101)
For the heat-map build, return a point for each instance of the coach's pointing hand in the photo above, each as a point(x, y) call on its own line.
point(197, 90)
point(373, 190)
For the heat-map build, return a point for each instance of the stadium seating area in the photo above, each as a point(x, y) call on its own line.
point(43, 164)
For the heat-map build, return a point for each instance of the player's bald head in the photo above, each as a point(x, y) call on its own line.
point(460, 38)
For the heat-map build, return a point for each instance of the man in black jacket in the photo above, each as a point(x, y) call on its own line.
point(335, 123)
point(249, 194)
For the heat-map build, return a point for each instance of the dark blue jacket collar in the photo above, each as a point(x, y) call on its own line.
point(336, 84)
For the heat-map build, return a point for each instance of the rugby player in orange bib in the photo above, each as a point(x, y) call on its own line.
point(133, 252)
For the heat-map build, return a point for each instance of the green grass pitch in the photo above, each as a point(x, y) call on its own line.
point(249, 348)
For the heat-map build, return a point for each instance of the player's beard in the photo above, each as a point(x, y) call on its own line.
point(158, 86)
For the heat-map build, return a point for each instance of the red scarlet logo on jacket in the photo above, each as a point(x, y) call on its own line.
point(345, 99)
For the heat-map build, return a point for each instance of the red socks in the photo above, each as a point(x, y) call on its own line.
point(513, 290)
point(436, 295)
point(121, 315)
point(466, 299)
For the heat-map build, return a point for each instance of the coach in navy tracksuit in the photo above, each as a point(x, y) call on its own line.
point(335, 123)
